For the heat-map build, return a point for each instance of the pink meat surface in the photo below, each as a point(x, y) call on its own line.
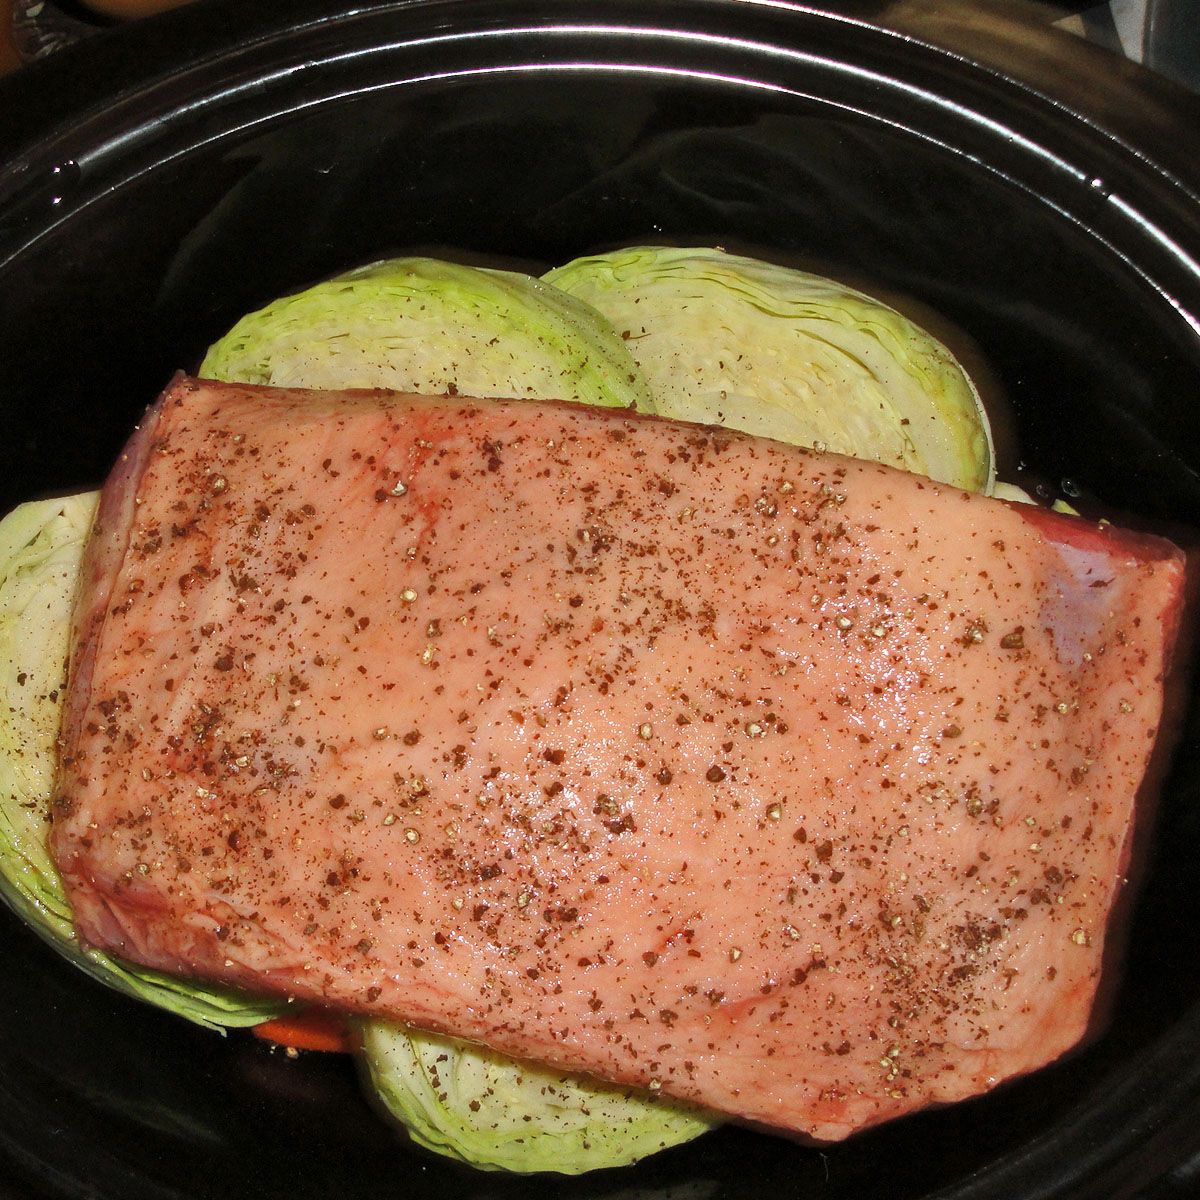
point(790, 784)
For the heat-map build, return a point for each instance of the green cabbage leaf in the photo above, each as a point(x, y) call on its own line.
point(41, 546)
point(483, 1108)
point(419, 325)
point(728, 340)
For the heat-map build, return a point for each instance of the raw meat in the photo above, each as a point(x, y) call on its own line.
point(791, 784)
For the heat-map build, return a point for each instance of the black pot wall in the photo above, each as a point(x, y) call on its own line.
point(1038, 196)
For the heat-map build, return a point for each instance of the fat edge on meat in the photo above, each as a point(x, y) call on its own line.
point(790, 784)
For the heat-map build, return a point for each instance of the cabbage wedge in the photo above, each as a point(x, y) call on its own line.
point(416, 324)
point(486, 1109)
point(41, 545)
point(728, 340)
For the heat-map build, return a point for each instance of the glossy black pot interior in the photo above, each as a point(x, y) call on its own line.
point(1035, 192)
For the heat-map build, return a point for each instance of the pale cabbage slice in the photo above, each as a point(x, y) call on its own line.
point(420, 325)
point(470, 1103)
point(729, 340)
point(41, 546)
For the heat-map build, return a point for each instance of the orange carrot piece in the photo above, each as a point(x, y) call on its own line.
point(309, 1029)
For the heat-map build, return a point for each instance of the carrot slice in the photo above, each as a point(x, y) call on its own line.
point(309, 1029)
